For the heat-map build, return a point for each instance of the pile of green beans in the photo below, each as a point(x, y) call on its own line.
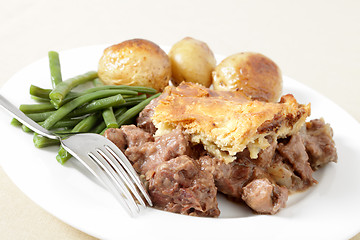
point(62, 109)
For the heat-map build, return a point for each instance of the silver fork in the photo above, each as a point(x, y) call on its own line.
point(101, 157)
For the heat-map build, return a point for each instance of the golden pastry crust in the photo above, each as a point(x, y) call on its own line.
point(227, 122)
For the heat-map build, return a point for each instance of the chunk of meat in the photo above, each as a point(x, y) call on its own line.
point(229, 178)
point(294, 152)
point(319, 143)
point(136, 136)
point(145, 157)
point(264, 197)
point(128, 136)
point(175, 181)
point(232, 177)
point(144, 120)
point(266, 155)
point(179, 185)
point(282, 173)
point(279, 163)
point(117, 137)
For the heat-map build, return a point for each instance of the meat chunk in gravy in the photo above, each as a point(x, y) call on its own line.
point(248, 180)
point(145, 157)
point(144, 120)
point(179, 185)
point(264, 196)
point(294, 152)
point(319, 143)
point(184, 179)
point(128, 136)
point(175, 180)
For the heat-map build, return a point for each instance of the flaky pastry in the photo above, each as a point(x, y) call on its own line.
point(227, 122)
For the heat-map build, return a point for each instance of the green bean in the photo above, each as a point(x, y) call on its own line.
point(68, 107)
point(26, 129)
point(119, 111)
point(129, 102)
point(99, 128)
point(73, 95)
point(70, 96)
point(98, 105)
point(38, 117)
point(36, 108)
point(102, 126)
point(134, 100)
point(39, 92)
point(41, 141)
point(41, 100)
point(132, 112)
point(124, 87)
point(65, 123)
point(84, 126)
point(97, 82)
point(43, 94)
point(64, 131)
point(62, 89)
point(63, 155)
point(127, 96)
point(127, 122)
point(109, 118)
point(87, 123)
point(60, 124)
point(55, 71)
point(16, 122)
point(128, 116)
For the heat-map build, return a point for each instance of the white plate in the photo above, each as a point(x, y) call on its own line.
point(329, 210)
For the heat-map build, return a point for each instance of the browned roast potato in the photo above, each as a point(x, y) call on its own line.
point(253, 74)
point(135, 62)
point(192, 61)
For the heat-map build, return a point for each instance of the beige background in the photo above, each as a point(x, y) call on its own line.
point(314, 42)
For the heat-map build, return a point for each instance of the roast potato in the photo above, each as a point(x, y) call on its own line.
point(191, 61)
point(252, 74)
point(135, 62)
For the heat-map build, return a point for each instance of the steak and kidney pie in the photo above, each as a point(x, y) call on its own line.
point(192, 142)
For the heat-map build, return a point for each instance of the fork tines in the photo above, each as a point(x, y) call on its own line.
point(122, 179)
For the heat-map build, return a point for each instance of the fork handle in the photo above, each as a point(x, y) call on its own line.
point(19, 115)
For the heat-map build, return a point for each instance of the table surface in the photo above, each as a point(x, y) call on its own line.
point(314, 42)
